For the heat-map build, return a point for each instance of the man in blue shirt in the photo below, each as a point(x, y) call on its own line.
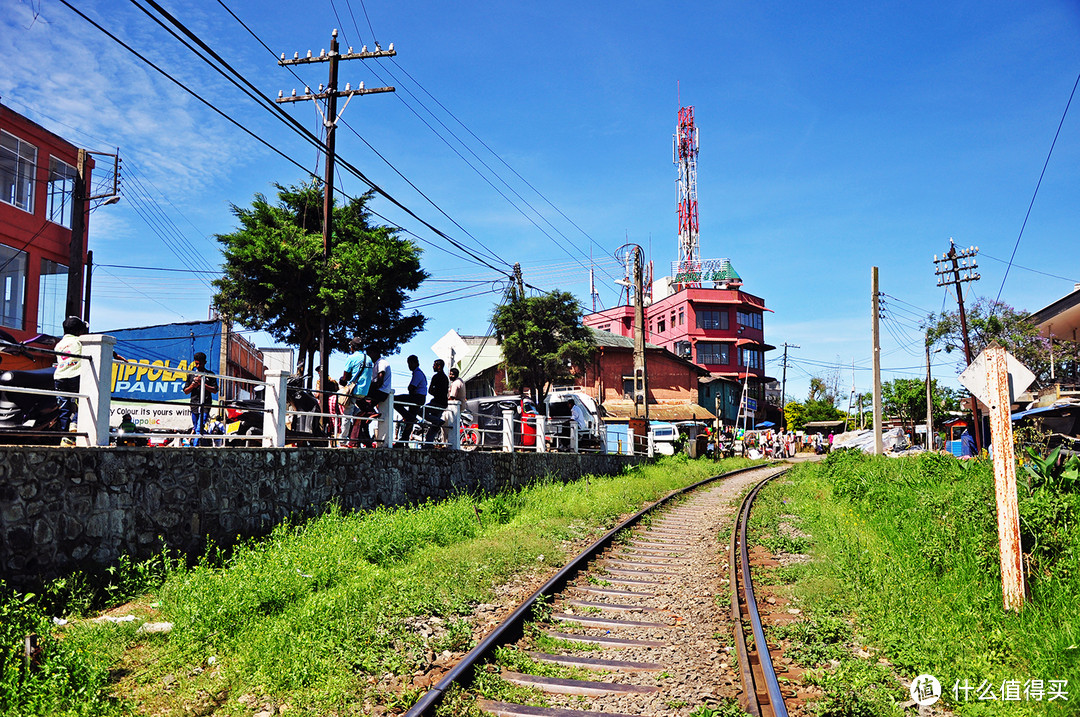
point(967, 444)
point(355, 382)
point(414, 397)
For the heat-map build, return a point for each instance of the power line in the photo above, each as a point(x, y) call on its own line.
point(303, 131)
point(479, 159)
point(306, 133)
point(1034, 194)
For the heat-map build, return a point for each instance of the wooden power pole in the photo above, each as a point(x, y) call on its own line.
point(879, 447)
point(331, 94)
point(641, 399)
point(961, 268)
point(783, 387)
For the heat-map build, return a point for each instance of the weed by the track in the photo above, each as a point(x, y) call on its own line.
point(321, 616)
point(908, 549)
point(727, 707)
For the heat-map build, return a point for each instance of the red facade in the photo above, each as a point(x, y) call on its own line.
point(37, 170)
point(721, 330)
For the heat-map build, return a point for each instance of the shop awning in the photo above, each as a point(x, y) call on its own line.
point(619, 411)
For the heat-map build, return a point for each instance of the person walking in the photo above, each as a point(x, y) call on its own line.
point(438, 389)
point(201, 385)
point(66, 376)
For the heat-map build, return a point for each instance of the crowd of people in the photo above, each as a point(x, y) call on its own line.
point(366, 383)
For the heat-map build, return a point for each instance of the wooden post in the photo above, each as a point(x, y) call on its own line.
point(879, 447)
point(1012, 566)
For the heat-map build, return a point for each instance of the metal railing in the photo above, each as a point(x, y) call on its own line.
point(281, 424)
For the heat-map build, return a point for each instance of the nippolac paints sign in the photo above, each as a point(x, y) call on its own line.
point(158, 360)
point(156, 379)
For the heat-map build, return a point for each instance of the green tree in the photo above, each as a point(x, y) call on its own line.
point(997, 321)
point(905, 398)
point(798, 414)
point(542, 340)
point(276, 280)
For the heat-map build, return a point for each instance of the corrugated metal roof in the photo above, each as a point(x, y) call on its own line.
point(618, 411)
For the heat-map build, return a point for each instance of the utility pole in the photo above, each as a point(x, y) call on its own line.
point(641, 400)
point(783, 387)
point(929, 401)
point(879, 447)
point(518, 282)
point(330, 119)
point(961, 269)
point(74, 305)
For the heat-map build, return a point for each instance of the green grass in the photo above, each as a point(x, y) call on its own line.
point(319, 617)
point(907, 550)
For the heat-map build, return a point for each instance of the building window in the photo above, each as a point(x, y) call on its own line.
point(750, 320)
point(13, 285)
point(682, 316)
point(628, 388)
point(751, 358)
point(712, 352)
point(52, 298)
point(712, 320)
point(605, 327)
point(661, 327)
point(17, 162)
point(61, 189)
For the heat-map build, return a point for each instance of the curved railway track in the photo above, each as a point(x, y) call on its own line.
point(639, 606)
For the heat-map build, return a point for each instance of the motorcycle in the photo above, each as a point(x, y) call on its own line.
point(25, 414)
point(247, 415)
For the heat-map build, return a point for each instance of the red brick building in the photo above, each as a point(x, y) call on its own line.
point(37, 177)
point(672, 391)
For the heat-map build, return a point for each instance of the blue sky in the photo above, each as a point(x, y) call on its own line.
point(834, 137)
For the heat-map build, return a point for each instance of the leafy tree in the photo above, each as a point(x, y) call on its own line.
point(276, 280)
point(997, 321)
point(798, 414)
point(542, 340)
point(905, 398)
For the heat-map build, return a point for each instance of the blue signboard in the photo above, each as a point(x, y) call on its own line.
point(163, 354)
point(158, 359)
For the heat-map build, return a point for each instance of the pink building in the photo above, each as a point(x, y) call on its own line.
point(720, 329)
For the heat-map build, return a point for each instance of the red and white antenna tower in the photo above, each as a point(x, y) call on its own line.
point(685, 151)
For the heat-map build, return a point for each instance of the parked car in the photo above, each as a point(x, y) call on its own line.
point(559, 403)
point(487, 421)
point(664, 437)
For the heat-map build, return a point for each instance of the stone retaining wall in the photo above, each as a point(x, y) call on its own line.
point(67, 508)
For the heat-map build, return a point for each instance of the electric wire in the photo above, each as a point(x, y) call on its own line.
point(478, 158)
point(1035, 194)
point(304, 132)
point(1027, 268)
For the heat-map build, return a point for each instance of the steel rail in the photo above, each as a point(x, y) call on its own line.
point(513, 627)
point(761, 647)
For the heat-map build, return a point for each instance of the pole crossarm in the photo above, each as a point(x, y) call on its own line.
point(308, 95)
point(325, 56)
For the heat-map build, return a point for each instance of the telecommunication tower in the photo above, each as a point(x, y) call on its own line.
point(685, 151)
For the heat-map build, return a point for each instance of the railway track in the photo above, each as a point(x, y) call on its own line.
point(633, 626)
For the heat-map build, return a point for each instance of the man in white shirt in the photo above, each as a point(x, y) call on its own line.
point(457, 387)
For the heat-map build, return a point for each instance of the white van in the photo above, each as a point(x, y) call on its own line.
point(664, 435)
point(559, 403)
